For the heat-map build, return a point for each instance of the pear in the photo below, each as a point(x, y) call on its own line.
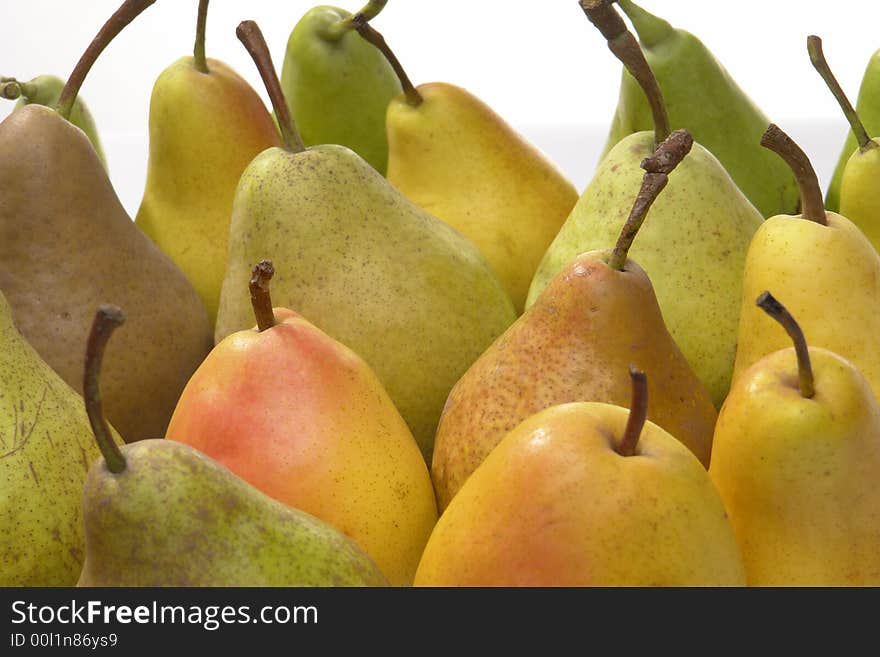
point(459, 160)
point(585, 494)
point(46, 90)
point(868, 108)
point(339, 448)
point(338, 86)
point(58, 207)
point(796, 459)
point(45, 450)
point(410, 295)
point(694, 247)
point(574, 344)
point(206, 125)
point(160, 513)
point(859, 201)
point(810, 260)
point(703, 98)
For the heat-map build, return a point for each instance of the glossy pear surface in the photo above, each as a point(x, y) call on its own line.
point(798, 475)
point(205, 128)
point(575, 343)
point(812, 268)
point(555, 505)
point(692, 246)
point(66, 246)
point(338, 89)
point(410, 295)
point(702, 97)
point(859, 198)
point(304, 419)
point(175, 517)
point(464, 164)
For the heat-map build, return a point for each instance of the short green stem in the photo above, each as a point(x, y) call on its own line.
point(261, 301)
point(337, 30)
point(812, 203)
point(638, 413)
point(369, 34)
point(200, 60)
point(770, 305)
point(107, 319)
point(11, 89)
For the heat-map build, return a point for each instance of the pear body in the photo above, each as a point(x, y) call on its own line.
point(702, 97)
point(48, 90)
point(66, 246)
point(798, 476)
point(692, 246)
point(338, 88)
point(575, 343)
point(46, 447)
point(406, 292)
point(811, 268)
point(859, 201)
point(304, 419)
point(205, 128)
point(555, 505)
point(464, 164)
point(868, 109)
point(175, 517)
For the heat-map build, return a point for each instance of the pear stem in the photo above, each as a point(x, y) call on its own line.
point(127, 12)
point(200, 60)
point(261, 301)
point(657, 169)
point(769, 304)
point(626, 48)
point(413, 97)
point(812, 205)
point(107, 319)
point(817, 57)
point(11, 89)
point(251, 36)
point(638, 413)
point(337, 30)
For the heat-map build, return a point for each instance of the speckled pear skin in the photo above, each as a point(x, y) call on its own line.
point(338, 90)
point(410, 295)
point(574, 344)
point(46, 448)
point(67, 245)
point(175, 517)
point(692, 245)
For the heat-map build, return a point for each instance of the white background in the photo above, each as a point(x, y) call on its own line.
point(541, 65)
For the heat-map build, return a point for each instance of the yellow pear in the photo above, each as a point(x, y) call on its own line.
point(206, 125)
point(585, 494)
point(796, 458)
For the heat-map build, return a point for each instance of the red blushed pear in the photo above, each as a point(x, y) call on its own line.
point(304, 419)
point(585, 494)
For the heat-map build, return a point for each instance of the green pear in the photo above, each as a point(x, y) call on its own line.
point(406, 292)
point(206, 125)
point(859, 201)
point(160, 513)
point(796, 459)
point(45, 451)
point(46, 90)
point(692, 249)
point(337, 85)
point(704, 99)
point(814, 260)
point(868, 108)
point(58, 207)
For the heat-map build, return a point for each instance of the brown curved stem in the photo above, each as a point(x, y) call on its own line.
point(127, 12)
point(251, 36)
point(368, 33)
point(770, 305)
point(107, 319)
point(638, 413)
point(813, 207)
point(367, 13)
point(200, 60)
point(626, 48)
point(261, 301)
point(657, 169)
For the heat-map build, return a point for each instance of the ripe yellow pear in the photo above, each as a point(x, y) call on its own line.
point(585, 494)
point(206, 125)
point(796, 458)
